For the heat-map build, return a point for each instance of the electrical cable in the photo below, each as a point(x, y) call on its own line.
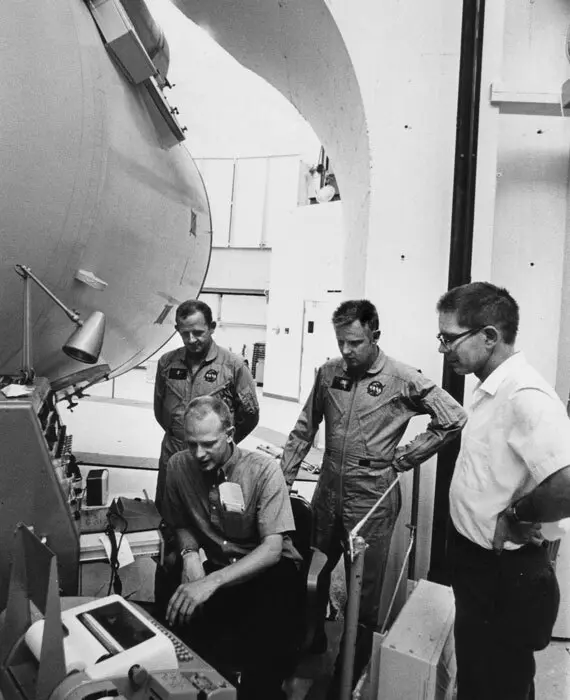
point(115, 582)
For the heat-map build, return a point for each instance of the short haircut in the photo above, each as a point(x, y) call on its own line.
point(202, 406)
point(357, 310)
point(192, 306)
point(480, 304)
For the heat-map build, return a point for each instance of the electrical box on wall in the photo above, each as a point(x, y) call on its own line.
point(121, 40)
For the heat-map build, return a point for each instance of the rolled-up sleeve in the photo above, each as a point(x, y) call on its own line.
point(539, 432)
point(447, 421)
point(274, 512)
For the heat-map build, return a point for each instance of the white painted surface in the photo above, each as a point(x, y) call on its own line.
point(306, 261)
point(530, 229)
point(489, 125)
point(521, 222)
point(230, 112)
point(417, 655)
point(318, 341)
point(298, 48)
point(248, 196)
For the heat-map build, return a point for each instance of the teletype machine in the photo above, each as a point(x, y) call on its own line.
point(54, 645)
point(67, 649)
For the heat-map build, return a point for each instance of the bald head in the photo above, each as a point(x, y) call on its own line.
point(203, 406)
point(209, 430)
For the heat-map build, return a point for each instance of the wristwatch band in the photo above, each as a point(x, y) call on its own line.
point(188, 550)
point(400, 465)
point(512, 513)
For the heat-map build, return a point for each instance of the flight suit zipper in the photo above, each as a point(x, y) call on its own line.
point(193, 379)
point(343, 452)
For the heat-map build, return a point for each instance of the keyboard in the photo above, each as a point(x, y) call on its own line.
point(199, 673)
point(183, 652)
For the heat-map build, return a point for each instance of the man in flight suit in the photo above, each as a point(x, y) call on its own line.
point(367, 400)
point(199, 368)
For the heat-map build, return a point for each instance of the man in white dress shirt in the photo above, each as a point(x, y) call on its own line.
point(510, 488)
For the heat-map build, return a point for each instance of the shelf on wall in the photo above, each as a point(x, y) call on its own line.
point(526, 100)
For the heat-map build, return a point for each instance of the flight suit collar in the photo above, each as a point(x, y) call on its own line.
point(375, 368)
point(378, 365)
point(210, 355)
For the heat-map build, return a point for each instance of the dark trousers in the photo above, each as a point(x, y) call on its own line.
point(335, 514)
point(330, 535)
point(506, 606)
point(375, 560)
point(252, 628)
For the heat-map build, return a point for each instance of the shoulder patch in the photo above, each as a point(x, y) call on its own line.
point(342, 383)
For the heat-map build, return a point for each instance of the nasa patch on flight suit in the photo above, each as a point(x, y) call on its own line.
point(177, 373)
point(375, 388)
point(211, 375)
point(342, 383)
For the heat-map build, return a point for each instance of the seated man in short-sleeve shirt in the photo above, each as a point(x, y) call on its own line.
point(241, 606)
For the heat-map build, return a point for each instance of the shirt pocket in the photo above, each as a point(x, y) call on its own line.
point(475, 464)
point(240, 527)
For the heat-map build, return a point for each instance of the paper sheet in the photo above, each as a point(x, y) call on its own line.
point(125, 555)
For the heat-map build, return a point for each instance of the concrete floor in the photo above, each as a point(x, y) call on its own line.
point(117, 419)
point(553, 671)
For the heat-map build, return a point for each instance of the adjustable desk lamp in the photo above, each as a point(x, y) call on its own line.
point(84, 344)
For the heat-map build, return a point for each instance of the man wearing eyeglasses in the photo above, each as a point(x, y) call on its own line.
point(366, 400)
point(510, 487)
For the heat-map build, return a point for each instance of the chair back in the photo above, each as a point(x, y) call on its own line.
point(303, 516)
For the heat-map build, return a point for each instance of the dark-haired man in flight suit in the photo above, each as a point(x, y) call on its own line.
point(200, 368)
point(367, 400)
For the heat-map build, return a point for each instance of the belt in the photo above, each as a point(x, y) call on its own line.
point(475, 550)
point(362, 461)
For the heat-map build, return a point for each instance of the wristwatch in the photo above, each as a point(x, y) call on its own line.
point(400, 464)
point(187, 550)
point(511, 513)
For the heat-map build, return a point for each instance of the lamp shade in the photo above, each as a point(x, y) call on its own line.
point(85, 342)
point(325, 194)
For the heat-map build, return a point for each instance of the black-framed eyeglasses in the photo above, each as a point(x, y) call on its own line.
point(450, 339)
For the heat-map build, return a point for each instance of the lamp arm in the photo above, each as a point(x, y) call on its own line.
point(25, 272)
